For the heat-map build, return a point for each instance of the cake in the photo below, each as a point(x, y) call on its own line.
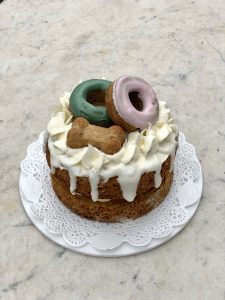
point(110, 149)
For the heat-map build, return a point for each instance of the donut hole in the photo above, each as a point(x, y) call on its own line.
point(96, 97)
point(136, 101)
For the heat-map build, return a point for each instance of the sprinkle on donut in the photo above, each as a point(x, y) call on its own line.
point(132, 103)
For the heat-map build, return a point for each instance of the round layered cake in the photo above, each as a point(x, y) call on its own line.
point(110, 148)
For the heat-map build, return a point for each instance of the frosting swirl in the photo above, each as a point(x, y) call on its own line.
point(143, 151)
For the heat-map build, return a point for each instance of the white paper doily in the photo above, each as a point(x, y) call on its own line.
point(71, 231)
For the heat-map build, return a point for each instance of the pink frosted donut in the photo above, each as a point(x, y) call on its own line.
point(135, 103)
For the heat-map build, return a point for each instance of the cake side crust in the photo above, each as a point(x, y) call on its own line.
point(110, 189)
point(117, 209)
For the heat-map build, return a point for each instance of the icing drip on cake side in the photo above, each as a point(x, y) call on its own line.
point(144, 151)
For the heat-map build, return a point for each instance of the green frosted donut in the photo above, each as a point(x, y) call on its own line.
point(80, 106)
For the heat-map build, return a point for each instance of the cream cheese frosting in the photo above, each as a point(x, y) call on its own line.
point(143, 151)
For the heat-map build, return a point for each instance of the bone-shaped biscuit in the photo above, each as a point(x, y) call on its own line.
point(108, 140)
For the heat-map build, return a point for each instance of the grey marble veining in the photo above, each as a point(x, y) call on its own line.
point(45, 48)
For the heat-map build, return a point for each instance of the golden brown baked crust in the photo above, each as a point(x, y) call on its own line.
point(109, 140)
point(148, 197)
point(115, 210)
point(113, 113)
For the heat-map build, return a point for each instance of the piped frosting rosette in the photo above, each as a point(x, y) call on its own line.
point(142, 151)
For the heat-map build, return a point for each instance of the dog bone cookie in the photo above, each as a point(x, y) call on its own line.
point(132, 103)
point(109, 140)
point(88, 100)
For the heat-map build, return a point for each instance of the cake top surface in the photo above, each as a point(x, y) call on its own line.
point(142, 150)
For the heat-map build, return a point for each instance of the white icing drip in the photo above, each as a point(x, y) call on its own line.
point(143, 152)
point(94, 181)
point(52, 169)
point(157, 178)
point(73, 182)
point(129, 185)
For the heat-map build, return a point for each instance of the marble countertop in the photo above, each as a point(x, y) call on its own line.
point(45, 48)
